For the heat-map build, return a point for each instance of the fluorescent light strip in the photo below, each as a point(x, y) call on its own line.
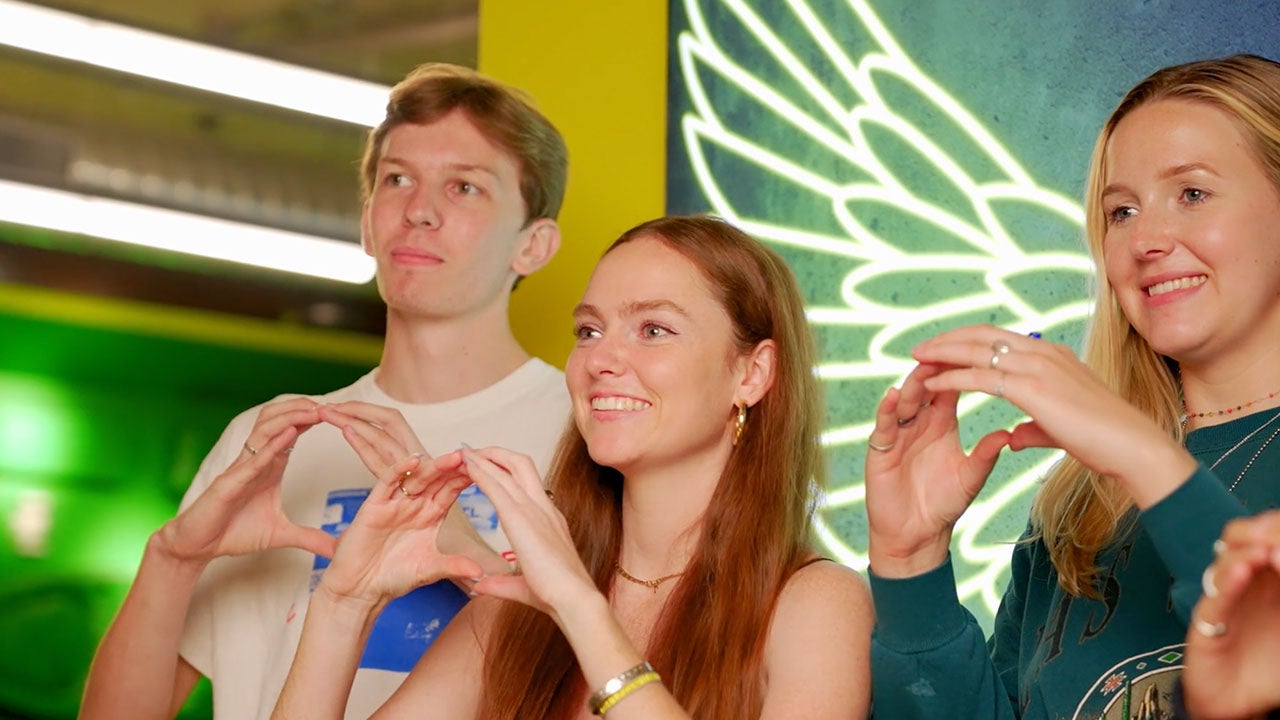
point(184, 232)
point(138, 52)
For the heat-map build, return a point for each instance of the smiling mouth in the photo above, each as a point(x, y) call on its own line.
point(618, 403)
point(1169, 286)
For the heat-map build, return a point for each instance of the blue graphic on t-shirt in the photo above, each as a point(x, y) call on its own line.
point(479, 510)
point(409, 624)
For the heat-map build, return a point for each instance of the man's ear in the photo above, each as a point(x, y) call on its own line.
point(538, 244)
point(759, 370)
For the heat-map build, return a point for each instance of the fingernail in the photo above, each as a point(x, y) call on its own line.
point(1034, 335)
point(418, 455)
point(466, 446)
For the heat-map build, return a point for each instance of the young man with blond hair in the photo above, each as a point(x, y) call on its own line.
point(462, 183)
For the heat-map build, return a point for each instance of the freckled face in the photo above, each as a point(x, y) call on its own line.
point(654, 370)
point(1192, 247)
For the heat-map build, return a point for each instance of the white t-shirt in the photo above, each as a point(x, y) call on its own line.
point(246, 617)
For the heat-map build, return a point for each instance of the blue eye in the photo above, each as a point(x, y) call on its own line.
point(1120, 214)
point(1194, 196)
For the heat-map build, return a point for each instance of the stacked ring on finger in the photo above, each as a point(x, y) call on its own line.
point(998, 348)
point(878, 447)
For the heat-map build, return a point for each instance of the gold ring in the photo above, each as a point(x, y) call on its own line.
point(252, 450)
point(400, 484)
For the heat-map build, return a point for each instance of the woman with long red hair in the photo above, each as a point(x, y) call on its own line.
point(664, 567)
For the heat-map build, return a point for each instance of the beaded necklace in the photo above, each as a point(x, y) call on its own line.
point(1187, 414)
point(1256, 453)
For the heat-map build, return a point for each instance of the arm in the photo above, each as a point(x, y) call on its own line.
point(137, 672)
point(553, 580)
point(1183, 526)
point(929, 656)
point(389, 549)
point(817, 658)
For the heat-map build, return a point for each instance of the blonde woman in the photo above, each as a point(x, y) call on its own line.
point(1169, 426)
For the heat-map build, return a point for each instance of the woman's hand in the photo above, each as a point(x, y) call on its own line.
point(1233, 645)
point(391, 547)
point(240, 511)
point(1069, 406)
point(382, 437)
point(551, 576)
point(919, 480)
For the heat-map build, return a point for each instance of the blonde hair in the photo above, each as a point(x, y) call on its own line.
point(1079, 512)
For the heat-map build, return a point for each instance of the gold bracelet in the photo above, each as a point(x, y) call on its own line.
point(626, 690)
point(615, 684)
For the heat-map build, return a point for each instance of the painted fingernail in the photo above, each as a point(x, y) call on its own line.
point(1034, 335)
point(466, 446)
point(418, 455)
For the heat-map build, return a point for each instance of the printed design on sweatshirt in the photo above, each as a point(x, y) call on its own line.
point(1138, 688)
point(808, 125)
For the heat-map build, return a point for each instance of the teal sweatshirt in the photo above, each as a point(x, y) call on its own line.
point(1057, 657)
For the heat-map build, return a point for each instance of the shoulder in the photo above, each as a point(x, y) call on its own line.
point(818, 652)
point(824, 586)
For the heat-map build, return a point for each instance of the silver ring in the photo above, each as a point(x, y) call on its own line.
point(903, 422)
point(998, 348)
point(1208, 629)
point(999, 391)
point(1219, 547)
point(1206, 582)
point(252, 450)
point(878, 447)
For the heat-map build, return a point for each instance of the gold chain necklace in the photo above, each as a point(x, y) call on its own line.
point(651, 584)
point(1256, 453)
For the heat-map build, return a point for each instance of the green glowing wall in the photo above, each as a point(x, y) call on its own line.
point(100, 432)
point(920, 165)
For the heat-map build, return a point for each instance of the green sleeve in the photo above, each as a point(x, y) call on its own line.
point(929, 658)
point(1183, 527)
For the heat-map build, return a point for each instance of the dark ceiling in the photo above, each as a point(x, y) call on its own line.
point(68, 125)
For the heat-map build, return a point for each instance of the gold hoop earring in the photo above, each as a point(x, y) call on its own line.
point(740, 423)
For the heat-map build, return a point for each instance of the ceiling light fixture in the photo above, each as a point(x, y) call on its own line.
point(213, 69)
point(184, 232)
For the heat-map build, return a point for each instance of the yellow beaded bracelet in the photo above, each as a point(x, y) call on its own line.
point(626, 690)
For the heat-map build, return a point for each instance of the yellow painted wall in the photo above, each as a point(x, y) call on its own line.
point(598, 70)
